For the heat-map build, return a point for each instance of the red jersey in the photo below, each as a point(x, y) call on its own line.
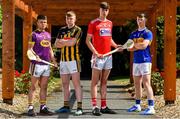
point(101, 32)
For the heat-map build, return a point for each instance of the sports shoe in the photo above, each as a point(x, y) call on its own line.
point(78, 112)
point(63, 110)
point(31, 112)
point(148, 111)
point(96, 111)
point(45, 111)
point(135, 108)
point(107, 111)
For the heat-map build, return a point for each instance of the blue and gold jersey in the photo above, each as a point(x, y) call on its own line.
point(70, 53)
point(138, 36)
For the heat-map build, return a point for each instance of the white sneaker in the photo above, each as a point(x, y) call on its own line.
point(79, 112)
point(148, 111)
point(135, 108)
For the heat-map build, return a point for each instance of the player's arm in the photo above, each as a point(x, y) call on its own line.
point(90, 45)
point(147, 41)
point(59, 41)
point(74, 39)
point(31, 42)
point(131, 49)
point(142, 45)
point(52, 56)
point(113, 44)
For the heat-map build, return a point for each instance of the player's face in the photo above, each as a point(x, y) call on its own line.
point(104, 12)
point(42, 24)
point(70, 21)
point(141, 21)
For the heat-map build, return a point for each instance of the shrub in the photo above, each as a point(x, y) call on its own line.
point(157, 82)
point(22, 82)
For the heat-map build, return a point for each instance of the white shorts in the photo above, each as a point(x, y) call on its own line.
point(69, 67)
point(37, 70)
point(140, 69)
point(101, 63)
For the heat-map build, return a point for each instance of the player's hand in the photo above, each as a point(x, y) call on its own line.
point(38, 58)
point(100, 56)
point(96, 54)
point(120, 48)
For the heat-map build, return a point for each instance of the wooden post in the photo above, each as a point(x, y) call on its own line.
point(152, 27)
point(8, 55)
point(27, 30)
point(169, 8)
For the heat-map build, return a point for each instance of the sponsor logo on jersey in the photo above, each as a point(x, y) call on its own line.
point(105, 32)
point(45, 43)
point(138, 40)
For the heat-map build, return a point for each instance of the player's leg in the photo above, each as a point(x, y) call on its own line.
point(138, 88)
point(34, 80)
point(78, 91)
point(104, 78)
point(96, 66)
point(43, 94)
point(96, 74)
point(65, 77)
point(147, 85)
point(103, 85)
point(43, 83)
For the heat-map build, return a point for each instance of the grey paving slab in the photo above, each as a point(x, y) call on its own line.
point(117, 99)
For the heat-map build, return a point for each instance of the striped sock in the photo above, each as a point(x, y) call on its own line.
point(30, 103)
point(151, 103)
point(79, 105)
point(94, 102)
point(66, 104)
point(138, 102)
point(42, 104)
point(103, 103)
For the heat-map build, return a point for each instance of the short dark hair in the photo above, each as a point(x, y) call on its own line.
point(41, 17)
point(141, 15)
point(70, 13)
point(104, 5)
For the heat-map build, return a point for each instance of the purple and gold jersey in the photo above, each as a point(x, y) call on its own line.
point(42, 42)
point(138, 36)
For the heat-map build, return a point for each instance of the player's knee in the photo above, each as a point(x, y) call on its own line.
point(103, 82)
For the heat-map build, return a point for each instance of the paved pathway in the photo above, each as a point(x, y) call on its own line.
point(117, 99)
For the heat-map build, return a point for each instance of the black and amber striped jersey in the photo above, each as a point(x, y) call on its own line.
point(70, 53)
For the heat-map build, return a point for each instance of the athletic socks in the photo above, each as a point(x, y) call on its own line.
point(103, 103)
point(79, 105)
point(94, 102)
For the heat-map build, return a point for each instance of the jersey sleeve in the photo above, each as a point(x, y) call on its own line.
point(148, 36)
point(90, 28)
point(131, 36)
point(32, 38)
point(78, 35)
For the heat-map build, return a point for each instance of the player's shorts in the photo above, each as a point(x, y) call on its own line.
point(140, 69)
point(69, 67)
point(38, 70)
point(101, 63)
